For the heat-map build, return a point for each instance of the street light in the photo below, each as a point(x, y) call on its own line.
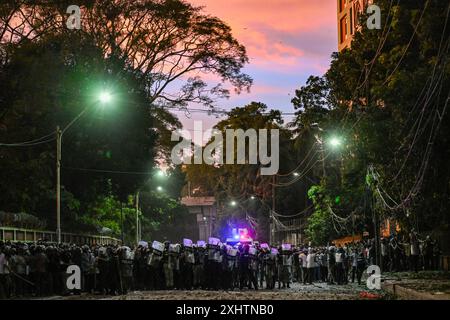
point(159, 188)
point(104, 97)
point(160, 173)
point(335, 142)
point(233, 203)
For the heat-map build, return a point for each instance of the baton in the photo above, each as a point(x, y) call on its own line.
point(21, 278)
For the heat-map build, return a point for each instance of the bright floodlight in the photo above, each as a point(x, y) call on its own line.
point(296, 174)
point(233, 203)
point(335, 142)
point(159, 188)
point(252, 197)
point(105, 97)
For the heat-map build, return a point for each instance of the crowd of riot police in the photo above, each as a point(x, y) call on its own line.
point(40, 269)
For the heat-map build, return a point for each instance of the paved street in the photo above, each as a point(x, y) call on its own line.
point(320, 291)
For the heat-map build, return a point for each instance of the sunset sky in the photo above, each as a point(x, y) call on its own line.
point(286, 41)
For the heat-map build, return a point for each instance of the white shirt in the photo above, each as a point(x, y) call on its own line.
point(310, 260)
point(304, 262)
point(338, 257)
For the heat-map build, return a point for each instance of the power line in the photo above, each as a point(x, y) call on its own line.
point(31, 142)
point(108, 171)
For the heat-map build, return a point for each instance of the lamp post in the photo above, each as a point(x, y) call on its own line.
point(335, 142)
point(104, 98)
point(159, 174)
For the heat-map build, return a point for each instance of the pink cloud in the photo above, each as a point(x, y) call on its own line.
point(279, 34)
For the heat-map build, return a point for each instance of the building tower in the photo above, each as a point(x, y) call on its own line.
point(348, 12)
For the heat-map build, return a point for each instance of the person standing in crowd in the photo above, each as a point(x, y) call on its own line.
point(168, 266)
point(318, 262)
point(415, 251)
point(361, 265)
point(261, 272)
point(41, 264)
point(340, 256)
point(3, 280)
point(354, 260)
point(177, 281)
point(253, 268)
point(384, 255)
point(395, 254)
point(65, 261)
point(228, 261)
point(102, 262)
point(125, 257)
point(19, 269)
point(303, 266)
point(115, 281)
point(54, 265)
point(156, 267)
point(311, 265)
point(87, 269)
point(331, 265)
point(187, 261)
point(244, 261)
point(212, 266)
point(199, 267)
point(406, 257)
point(270, 268)
point(286, 265)
point(296, 274)
point(346, 265)
point(324, 265)
point(139, 267)
point(76, 254)
point(428, 253)
point(436, 256)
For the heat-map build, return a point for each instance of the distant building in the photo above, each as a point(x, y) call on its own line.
point(205, 211)
point(348, 12)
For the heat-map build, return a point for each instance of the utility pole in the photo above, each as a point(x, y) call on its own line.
point(373, 183)
point(137, 218)
point(58, 183)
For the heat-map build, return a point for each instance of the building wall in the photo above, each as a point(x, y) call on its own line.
point(204, 210)
point(348, 12)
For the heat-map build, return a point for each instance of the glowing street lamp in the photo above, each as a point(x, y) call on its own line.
point(296, 174)
point(159, 188)
point(105, 97)
point(160, 174)
point(335, 142)
point(233, 203)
